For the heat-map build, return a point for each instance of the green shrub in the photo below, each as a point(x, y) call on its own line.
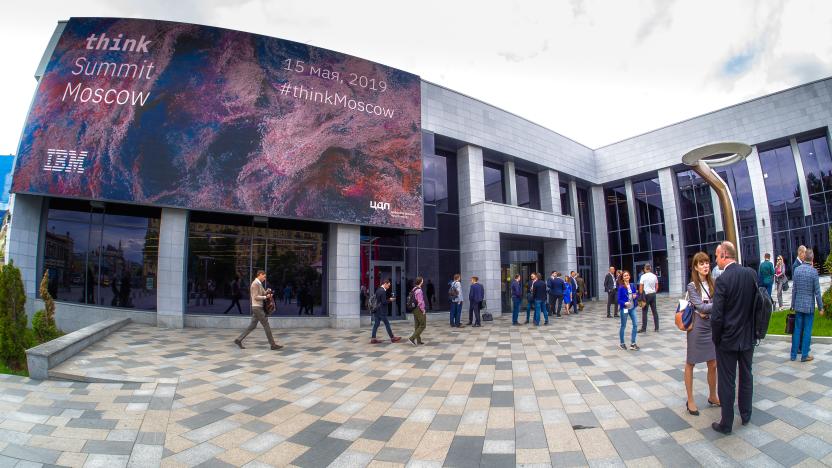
point(12, 318)
point(43, 329)
point(827, 301)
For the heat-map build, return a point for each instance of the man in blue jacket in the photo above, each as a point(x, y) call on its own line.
point(805, 293)
point(555, 285)
point(475, 296)
point(516, 299)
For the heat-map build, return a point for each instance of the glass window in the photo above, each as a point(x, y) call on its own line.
point(94, 257)
point(225, 253)
point(494, 187)
point(528, 195)
point(565, 199)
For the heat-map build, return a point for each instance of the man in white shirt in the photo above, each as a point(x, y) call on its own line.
point(648, 286)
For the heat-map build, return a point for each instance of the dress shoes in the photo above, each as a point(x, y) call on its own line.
point(239, 344)
point(720, 428)
point(276, 347)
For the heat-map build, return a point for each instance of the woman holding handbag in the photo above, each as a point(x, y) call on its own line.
point(700, 346)
point(627, 296)
point(780, 280)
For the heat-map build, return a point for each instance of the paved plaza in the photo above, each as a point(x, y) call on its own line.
point(562, 395)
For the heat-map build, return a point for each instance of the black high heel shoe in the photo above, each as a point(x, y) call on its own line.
point(693, 413)
point(712, 403)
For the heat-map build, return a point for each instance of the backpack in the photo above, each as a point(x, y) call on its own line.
point(371, 302)
point(412, 303)
point(763, 306)
point(452, 292)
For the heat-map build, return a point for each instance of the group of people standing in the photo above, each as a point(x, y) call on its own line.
point(550, 297)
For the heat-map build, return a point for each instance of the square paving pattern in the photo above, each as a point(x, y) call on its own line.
point(500, 395)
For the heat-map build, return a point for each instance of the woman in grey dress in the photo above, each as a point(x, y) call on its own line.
point(700, 346)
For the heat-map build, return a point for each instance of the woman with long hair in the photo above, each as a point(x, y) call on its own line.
point(627, 297)
point(780, 279)
point(700, 347)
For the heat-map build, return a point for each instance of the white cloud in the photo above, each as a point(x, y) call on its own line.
point(594, 70)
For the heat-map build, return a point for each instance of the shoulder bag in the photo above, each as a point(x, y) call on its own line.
point(684, 314)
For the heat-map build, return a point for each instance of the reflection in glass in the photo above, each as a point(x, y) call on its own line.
point(101, 258)
point(223, 260)
point(494, 187)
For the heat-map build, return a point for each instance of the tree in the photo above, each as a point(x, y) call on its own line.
point(43, 322)
point(12, 317)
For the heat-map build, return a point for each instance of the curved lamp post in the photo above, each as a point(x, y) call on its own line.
point(702, 160)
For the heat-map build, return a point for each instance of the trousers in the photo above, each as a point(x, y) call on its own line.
point(258, 315)
point(649, 301)
point(727, 363)
point(421, 322)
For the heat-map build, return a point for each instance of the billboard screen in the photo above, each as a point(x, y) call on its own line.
point(204, 118)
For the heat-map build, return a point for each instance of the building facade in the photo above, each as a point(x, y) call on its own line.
point(502, 196)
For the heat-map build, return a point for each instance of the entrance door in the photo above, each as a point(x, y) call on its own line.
point(524, 269)
point(398, 289)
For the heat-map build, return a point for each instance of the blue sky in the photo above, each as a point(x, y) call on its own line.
point(594, 71)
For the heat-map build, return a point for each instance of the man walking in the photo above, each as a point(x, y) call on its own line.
point(573, 283)
point(236, 295)
point(516, 299)
point(380, 313)
point(258, 313)
point(476, 294)
point(805, 293)
point(766, 273)
point(732, 331)
point(612, 292)
point(648, 286)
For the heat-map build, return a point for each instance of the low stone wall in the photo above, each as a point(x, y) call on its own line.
point(48, 355)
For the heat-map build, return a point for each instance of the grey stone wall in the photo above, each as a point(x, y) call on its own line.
point(173, 252)
point(344, 275)
point(22, 243)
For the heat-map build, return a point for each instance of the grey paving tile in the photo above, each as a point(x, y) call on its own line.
point(789, 416)
point(628, 444)
point(262, 442)
point(783, 453)
point(812, 446)
point(502, 399)
point(88, 423)
point(568, 459)
point(668, 420)
point(314, 433)
point(465, 451)
point(198, 454)
point(150, 438)
point(394, 455)
point(99, 460)
point(497, 460)
point(215, 463)
point(35, 454)
point(266, 407)
point(445, 422)
point(108, 447)
point(530, 435)
point(145, 456)
point(324, 453)
point(204, 418)
point(383, 428)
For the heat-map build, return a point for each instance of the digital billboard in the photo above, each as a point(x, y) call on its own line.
point(204, 118)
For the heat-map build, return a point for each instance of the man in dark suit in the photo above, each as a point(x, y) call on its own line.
point(612, 292)
point(732, 331)
point(555, 285)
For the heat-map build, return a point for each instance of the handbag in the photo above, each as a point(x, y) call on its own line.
point(483, 306)
point(641, 303)
point(786, 285)
point(790, 324)
point(684, 314)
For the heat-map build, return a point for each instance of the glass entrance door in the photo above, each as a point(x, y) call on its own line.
point(381, 271)
point(524, 269)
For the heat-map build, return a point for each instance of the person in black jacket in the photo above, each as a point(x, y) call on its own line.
point(556, 286)
point(732, 331)
point(612, 292)
point(380, 313)
point(539, 296)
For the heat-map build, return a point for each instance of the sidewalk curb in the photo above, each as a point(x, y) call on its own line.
point(815, 339)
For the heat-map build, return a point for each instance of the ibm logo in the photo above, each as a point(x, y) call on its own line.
point(58, 160)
